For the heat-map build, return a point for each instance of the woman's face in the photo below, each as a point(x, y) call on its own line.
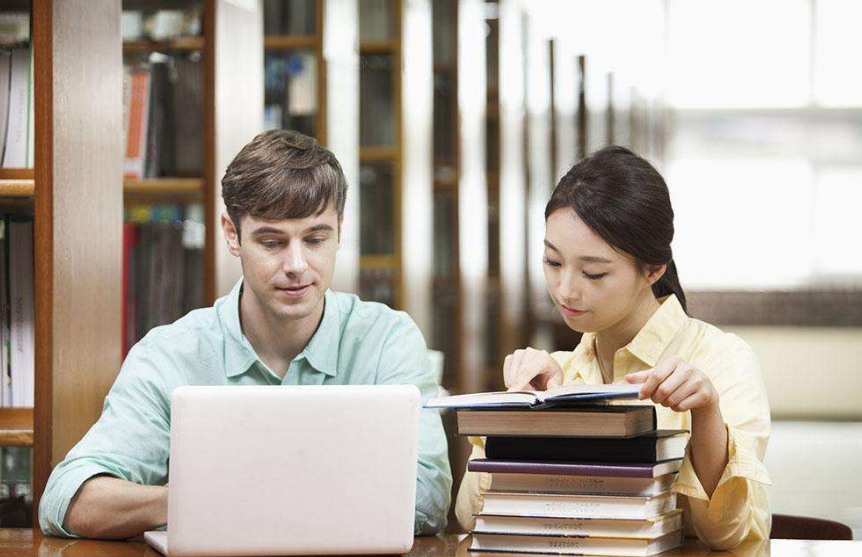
point(594, 286)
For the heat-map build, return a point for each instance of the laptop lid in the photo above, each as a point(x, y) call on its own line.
point(292, 470)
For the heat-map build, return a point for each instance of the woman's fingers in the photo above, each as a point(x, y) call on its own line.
point(531, 369)
point(656, 376)
point(670, 385)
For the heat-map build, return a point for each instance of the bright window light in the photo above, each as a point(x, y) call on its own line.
point(742, 223)
point(739, 53)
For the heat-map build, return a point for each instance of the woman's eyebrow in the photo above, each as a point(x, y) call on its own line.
point(586, 258)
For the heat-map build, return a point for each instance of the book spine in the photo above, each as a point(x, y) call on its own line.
point(560, 469)
point(562, 506)
point(15, 154)
point(21, 306)
point(549, 483)
point(136, 140)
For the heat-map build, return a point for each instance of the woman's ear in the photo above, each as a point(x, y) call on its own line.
point(653, 273)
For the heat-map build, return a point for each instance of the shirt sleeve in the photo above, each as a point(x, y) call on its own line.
point(130, 441)
point(739, 508)
point(405, 361)
point(473, 485)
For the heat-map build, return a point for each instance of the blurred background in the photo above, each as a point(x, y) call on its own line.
point(453, 119)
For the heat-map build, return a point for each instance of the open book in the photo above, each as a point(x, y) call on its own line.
point(565, 395)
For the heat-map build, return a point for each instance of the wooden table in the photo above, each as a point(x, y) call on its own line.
point(31, 543)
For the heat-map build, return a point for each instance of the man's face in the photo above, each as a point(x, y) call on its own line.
point(287, 264)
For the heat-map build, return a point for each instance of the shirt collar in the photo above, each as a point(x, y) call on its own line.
point(321, 352)
point(652, 340)
point(648, 345)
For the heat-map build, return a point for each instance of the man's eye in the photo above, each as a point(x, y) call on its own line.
point(315, 240)
point(270, 244)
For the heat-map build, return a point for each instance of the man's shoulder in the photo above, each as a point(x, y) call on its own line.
point(189, 332)
point(360, 316)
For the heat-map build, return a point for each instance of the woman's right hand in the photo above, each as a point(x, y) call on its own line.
point(532, 370)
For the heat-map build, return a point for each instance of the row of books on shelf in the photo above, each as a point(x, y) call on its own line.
point(161, 25)
point(16, 496)
point(163, 266)
point(573, 471)
point(163, 116)
point(17, 355)
point(16, 108)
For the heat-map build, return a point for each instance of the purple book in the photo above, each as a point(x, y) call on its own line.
point(600, 469)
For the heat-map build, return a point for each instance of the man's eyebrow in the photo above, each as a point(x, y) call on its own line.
point(586, 258)
point(266, 230)
point(320, 228)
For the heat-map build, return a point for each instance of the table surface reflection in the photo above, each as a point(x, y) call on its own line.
point(26, 542)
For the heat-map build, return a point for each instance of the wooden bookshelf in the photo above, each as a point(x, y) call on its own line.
point(77, 209)
point(381, 154)
point(204, 188)
point(16, 427)
point(312, 43)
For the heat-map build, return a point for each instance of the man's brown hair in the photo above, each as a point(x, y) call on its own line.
point(283, 174)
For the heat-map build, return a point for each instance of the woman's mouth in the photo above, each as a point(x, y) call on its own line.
point(571, 312)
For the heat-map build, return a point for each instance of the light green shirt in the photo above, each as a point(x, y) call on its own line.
point(357, 343)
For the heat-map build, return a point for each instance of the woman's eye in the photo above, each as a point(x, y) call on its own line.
point(595, 277)
point(550, 263)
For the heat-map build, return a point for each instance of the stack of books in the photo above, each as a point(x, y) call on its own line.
point(571, 473)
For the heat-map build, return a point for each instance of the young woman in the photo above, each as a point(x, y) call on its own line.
point(610, 272)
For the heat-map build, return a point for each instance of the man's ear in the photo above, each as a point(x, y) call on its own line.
point(230, 234)
point(340, 228)
point(653, 273)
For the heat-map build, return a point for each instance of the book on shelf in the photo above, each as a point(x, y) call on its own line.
point(563, 545)
point(162, 267)
point(590, 420)
point(578, 505)
point(163, 117)
point(655, 446)
point(586, 478)
point(565, 395)
point(5, 379)
point(18, 120)
point(652, 527)
point(136, 107)
point(5, 76)
point(21, 318)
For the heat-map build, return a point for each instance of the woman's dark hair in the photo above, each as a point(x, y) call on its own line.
point(624, 199)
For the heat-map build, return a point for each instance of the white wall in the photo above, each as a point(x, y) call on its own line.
point(813, 373)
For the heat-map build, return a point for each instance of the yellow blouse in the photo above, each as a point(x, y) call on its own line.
point(738, 509)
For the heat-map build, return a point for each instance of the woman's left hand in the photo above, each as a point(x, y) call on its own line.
point(676, 385)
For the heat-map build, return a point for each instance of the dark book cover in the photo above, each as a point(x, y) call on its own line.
point(640, 449)
point(593, 469)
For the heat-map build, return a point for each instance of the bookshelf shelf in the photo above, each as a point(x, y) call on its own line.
point(290, 42)
point(16, 427)
point(379, 154)
point(164, 187)
point(17, 188)
point(379, 47)
point(378, 262)
point(180, 44)
point(16, 174)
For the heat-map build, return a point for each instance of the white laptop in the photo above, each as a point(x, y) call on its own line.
point(291, 470)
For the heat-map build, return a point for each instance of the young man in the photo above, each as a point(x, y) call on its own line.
point(280, 325)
